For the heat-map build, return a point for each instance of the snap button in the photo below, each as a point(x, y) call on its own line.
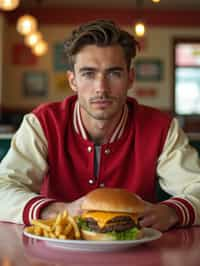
point(91, 181)
point(107, 151)
point(89, 148)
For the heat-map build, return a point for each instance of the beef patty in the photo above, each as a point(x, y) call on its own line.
point(117, 224)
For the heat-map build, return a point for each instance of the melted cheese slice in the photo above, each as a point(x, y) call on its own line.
point(103, 217)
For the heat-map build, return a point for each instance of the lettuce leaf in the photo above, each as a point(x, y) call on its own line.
point(129, 234)
point(82, 224)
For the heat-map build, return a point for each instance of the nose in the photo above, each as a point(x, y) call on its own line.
point(101, 84)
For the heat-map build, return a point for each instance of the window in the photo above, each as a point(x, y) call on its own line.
point(187, 77)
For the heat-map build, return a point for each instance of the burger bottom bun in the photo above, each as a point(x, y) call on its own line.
point(89, 235)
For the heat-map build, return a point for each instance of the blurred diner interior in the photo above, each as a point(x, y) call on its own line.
point(167, 66)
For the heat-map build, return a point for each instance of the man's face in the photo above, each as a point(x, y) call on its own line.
point(101, 80)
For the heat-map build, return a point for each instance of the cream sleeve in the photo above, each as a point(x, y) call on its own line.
point(179, 172)
point(22, 169)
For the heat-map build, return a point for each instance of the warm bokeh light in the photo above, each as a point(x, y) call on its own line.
point(139, 29)
point(40, 48)
point(33, 38)
point(8, 5)
point(26, 24)
point(155, 1)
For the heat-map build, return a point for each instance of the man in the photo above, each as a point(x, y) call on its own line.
point(100, 137)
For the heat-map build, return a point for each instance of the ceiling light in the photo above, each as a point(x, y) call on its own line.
point(155, 1)
point(139, 29)
point(8, 5)
point(40, 48)
point(26, 24)
point(33, 38)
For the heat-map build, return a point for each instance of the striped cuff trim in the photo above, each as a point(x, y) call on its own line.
point(33, 208)
point(184, 210)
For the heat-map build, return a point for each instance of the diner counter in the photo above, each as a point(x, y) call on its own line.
point(177, 247)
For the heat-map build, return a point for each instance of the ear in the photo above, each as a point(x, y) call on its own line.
point(131, 77)
point(72, 80)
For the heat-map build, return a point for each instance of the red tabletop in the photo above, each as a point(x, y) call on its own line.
point(177, 247)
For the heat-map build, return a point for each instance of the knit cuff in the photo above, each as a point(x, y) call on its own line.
point(184, 210)
point(34, 207)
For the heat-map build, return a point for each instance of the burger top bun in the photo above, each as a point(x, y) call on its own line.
point(113, 200)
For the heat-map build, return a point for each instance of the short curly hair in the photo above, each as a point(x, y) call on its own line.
point(101, 33)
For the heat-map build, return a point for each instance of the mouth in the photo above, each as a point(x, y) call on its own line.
point(101, 103)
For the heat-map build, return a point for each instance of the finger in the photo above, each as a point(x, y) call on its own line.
point(158, 226)
point(148, 204)
point(147, 212)
point(147, 221)
point(148, 207)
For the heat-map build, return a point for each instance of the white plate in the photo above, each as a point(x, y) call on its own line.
point(149, 235)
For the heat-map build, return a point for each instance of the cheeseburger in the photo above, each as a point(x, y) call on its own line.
point(111, 214)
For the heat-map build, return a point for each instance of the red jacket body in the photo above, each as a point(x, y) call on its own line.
point(129, 162)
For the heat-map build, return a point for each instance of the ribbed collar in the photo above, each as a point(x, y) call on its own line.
point(79, 127)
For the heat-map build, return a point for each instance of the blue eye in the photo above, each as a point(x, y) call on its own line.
point(88, 74)
point(117, 74)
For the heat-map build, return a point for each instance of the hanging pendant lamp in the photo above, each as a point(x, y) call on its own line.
point(26, 24)
point(9, 5)
point(40, 48)
point(33, 38)
point(140, 29)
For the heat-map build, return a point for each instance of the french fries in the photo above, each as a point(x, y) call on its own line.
point(63, 226)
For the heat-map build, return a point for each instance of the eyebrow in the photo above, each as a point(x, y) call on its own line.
point(106, 70)
point(82, 69)
point(115, 69)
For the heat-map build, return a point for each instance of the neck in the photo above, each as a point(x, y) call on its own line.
point(100, 131)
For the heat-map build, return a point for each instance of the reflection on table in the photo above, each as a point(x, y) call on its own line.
point(177, 247)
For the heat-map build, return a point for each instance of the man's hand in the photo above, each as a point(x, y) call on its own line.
point(73, 208)
point(158, 216)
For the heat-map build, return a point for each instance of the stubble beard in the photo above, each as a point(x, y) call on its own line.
point(102, 115)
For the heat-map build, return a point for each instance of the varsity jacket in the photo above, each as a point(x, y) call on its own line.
point(130, 162)
point(52, 159)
